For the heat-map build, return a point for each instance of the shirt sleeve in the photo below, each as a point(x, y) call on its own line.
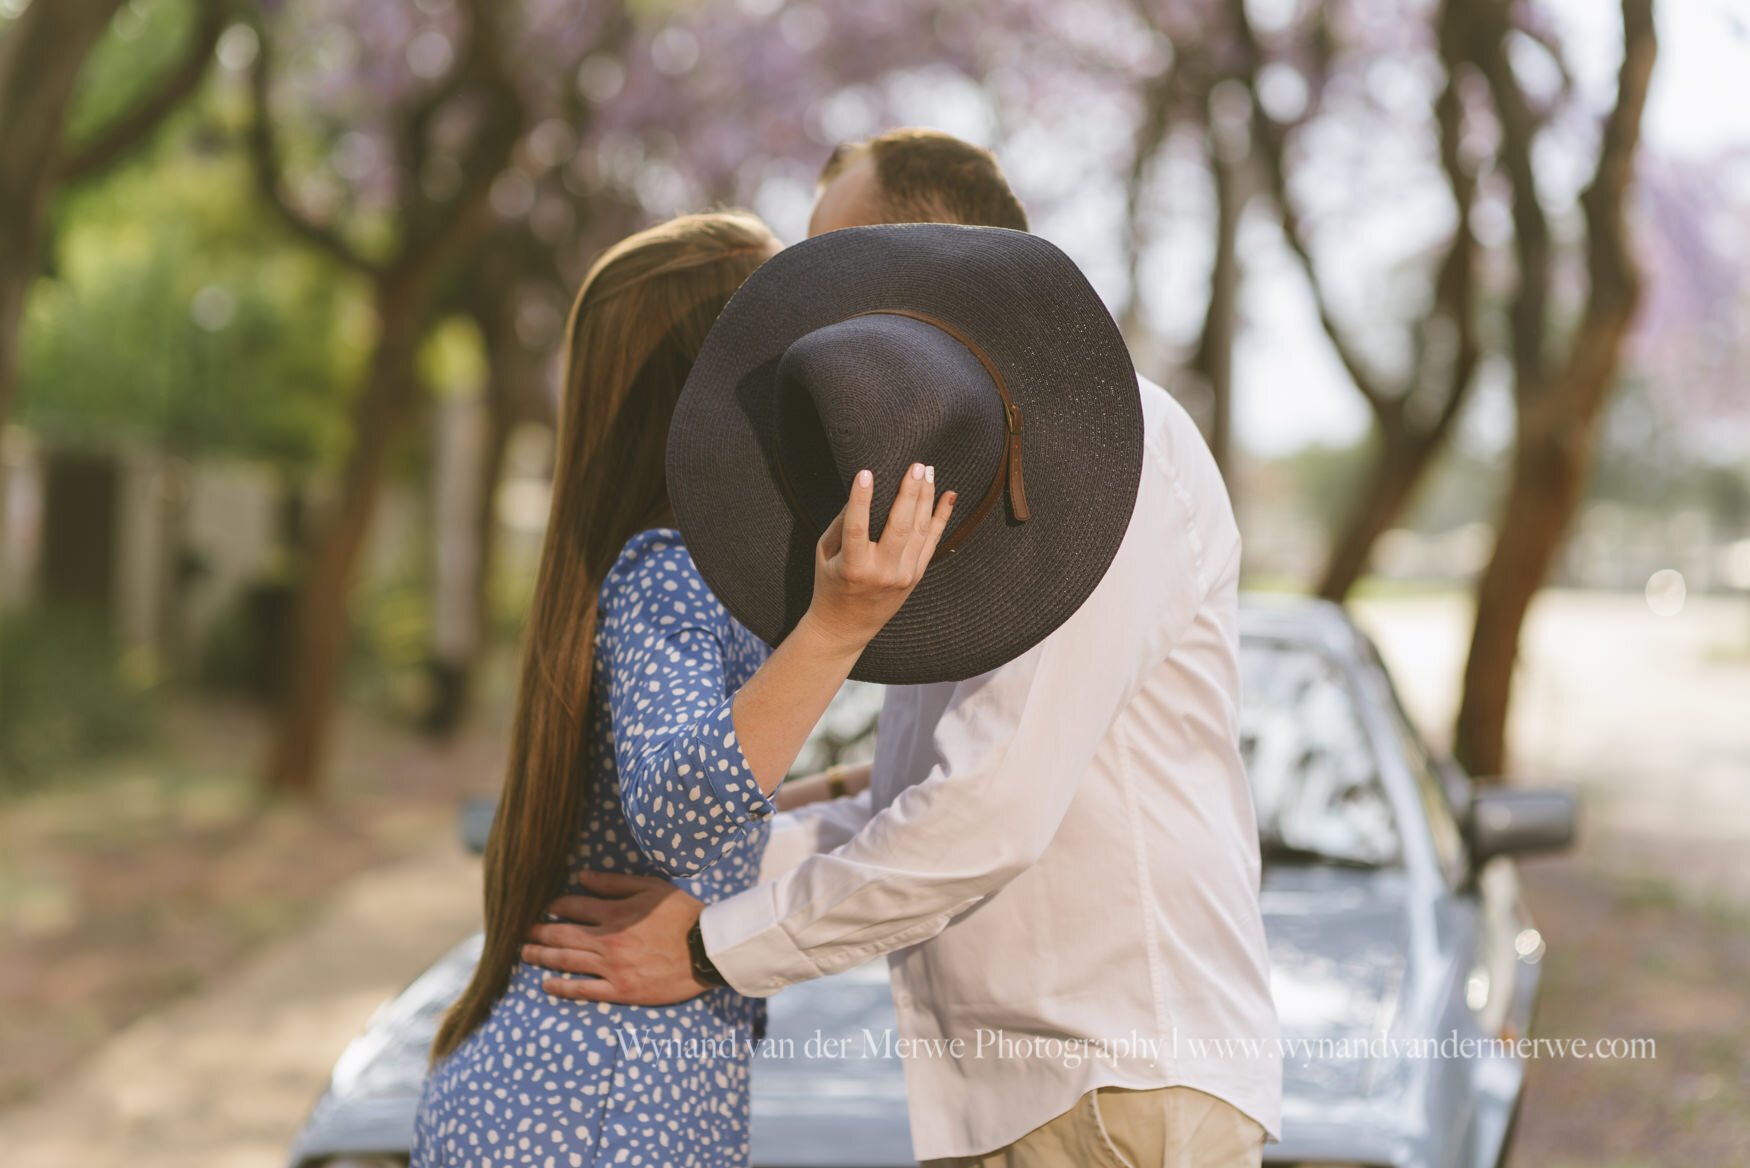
point(686, 787)
point(814, 827)
point(1013, 746)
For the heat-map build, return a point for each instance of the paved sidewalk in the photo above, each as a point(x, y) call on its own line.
point(223, 1079)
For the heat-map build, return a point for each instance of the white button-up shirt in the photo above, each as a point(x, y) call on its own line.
point(1060, 856)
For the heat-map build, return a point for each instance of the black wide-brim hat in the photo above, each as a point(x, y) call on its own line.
point(981, 351)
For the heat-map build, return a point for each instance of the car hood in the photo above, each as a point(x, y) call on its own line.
point(1339, 964)
point(1339, 944)
point(828, 1090)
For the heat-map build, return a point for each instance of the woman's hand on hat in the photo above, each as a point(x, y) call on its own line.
point(859, 581)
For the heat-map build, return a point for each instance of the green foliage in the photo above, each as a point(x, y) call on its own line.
point(452, 361)
point(68, 694)
point(1462, 485)
point(391, 646)
point(179, 315)
point(1324, 483)
point(1325, 480)
point(1645, 460)
point(145, 40)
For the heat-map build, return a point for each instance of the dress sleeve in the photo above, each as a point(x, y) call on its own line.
point(686, 787)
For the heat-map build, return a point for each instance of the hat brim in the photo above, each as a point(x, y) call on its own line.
point(1009, 585)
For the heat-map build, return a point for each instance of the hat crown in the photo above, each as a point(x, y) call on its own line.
point(1057, 412)
point(882, 392)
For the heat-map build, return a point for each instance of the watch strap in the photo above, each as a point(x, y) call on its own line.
point(704, 969)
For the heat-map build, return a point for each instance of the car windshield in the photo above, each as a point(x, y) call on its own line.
point(1315, 778)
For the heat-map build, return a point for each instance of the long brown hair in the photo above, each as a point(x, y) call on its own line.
point(637, 325)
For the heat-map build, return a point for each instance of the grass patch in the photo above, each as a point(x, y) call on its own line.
point(69, 694)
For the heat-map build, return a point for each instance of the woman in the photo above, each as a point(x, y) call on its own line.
point(651, 731)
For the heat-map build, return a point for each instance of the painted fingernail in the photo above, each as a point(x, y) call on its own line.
point(864, 478)
point(929, 474)
point(917, 470)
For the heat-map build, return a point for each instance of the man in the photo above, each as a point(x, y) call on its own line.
point(913, 176)
point(1061, 849)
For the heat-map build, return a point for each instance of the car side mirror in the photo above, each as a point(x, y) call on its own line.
point(1514, 822)
point(474, 822)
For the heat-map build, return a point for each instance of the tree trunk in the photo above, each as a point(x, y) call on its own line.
point(436, 234)
point(1215, 348)
point(303, 723)
point(1559, 414)
point(1390, 482)
point(513, 377)
point(40, 59)
point(81, 513)
point(1549, 473)
point(501, 421)
point(464, 571)
point(17, 270)
point(459, 425)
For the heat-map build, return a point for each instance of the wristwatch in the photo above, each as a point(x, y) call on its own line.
point(703, 970)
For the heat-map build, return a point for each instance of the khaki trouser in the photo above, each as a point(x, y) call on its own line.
point(1169, 1127)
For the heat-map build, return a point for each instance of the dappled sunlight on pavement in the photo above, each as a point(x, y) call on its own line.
point(223, 1079)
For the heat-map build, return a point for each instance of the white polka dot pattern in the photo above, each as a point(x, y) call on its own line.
point(548, 1082)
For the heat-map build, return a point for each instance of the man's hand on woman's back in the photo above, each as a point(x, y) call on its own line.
point(630, 938)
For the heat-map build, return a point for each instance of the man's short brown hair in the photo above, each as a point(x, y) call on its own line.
point(926, 176)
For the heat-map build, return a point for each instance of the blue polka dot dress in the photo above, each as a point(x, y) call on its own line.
point(547, 1082)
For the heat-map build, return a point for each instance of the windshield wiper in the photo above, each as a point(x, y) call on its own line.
point(1277, 852)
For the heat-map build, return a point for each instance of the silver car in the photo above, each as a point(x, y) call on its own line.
point(1404, 965)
